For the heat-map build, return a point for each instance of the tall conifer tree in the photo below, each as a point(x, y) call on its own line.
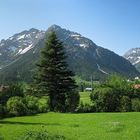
point(54, 77)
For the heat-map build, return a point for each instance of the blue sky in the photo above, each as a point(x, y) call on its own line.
point(112, 24)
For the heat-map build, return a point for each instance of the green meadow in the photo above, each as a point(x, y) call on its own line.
point(83, 126)
point(84, 97)
point(78, 126)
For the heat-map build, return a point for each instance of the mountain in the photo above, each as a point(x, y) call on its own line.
point(133, 55)
point(19, 53)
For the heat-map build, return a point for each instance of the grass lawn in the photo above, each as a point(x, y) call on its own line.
point(84, 97)
point(88, 126)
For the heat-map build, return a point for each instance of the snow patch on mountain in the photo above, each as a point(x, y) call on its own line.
point(27, 35)
point(75, 35)
point(134, 51)
point(133, 55)
point(22, 51)
point(11, 38)
point(97, 52)
point(26, 49)
point(99, 68)
point(21, 37)
point(83, 45)
point(137, 60)
point(130, 57)
point(19, 51)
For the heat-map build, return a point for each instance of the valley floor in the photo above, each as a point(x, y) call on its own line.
point(83, 126)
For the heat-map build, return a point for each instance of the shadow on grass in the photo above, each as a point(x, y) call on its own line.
point(28, 123)
point(74, 125)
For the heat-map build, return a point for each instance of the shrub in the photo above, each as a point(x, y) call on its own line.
point(120, 85)
point(71, 102)
point(31, 103)
point(125, 104)
point(136, 104)
point(105, 99)
point(10, 91)
point(43, 104)
point(16, 106)
point(85, 108)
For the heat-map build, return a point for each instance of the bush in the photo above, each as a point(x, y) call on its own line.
point(31, 103)
point(10, 91)
point(16, 106)
point(43, 104)
point(136, 104)
point(105, 99)
point(120, 85)
point(125, 104)
point(85, 108)
point(72, 102)
point(36, 105)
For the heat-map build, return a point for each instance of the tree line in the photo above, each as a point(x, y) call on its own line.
point(117, 94)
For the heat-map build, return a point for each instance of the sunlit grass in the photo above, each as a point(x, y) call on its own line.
point(85, 97)
point(88, 126)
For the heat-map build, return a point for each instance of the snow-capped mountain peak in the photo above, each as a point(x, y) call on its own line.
point(20, 43)
point(133, 55)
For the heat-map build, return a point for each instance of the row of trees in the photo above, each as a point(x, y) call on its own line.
point(117, 94)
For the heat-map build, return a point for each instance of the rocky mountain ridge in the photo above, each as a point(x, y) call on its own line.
point(19, 53)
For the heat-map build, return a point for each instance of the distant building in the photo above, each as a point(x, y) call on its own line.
point(88, 89)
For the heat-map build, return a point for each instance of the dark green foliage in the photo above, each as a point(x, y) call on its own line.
point(105, 100)
point(2, 112)
point(10, 91)
point(81, 87)
point(85, 108)
point(125, 103)
point(54, 78)
point(72, 101)
point(16, 106)
point(40, 135)
point(136, 93)
point(114, 95)
point(119, 85)
point(136, 104)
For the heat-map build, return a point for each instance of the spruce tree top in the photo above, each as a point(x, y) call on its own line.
point(53, 72)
